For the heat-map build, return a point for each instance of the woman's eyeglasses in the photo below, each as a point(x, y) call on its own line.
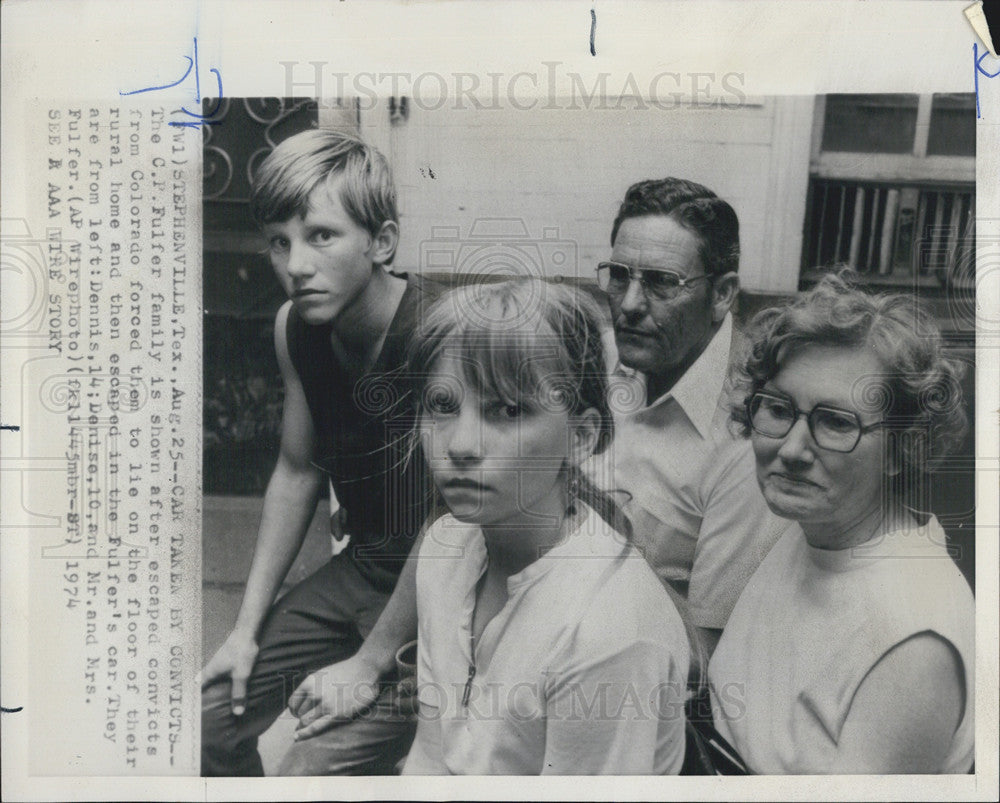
point(614, 279)
point(836, 430)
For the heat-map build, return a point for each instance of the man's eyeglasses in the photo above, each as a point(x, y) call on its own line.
point(614, 279)
point(836, 430)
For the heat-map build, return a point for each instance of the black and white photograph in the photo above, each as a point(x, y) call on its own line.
point(732, 264)
point(466, 389)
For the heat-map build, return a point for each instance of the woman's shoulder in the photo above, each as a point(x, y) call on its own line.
point(916, 564)
point(908, 585)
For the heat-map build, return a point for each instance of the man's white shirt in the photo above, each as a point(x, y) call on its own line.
point(689, 482)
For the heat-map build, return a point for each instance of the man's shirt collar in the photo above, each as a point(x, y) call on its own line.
point(698, 391)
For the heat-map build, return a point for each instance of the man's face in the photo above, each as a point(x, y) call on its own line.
point(653, 335)
point(323, 259)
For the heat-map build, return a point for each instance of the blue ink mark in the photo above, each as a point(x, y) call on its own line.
point(593, 31)
point(197, 80)
point(165, 86)
point(979, 70)
point(10, 427)
point(202, 119)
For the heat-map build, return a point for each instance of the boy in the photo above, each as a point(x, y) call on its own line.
point(326, 206)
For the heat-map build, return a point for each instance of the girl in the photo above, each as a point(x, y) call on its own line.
point(546, 644)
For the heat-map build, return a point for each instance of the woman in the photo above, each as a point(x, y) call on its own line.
point(546, 644)
point(851, 649)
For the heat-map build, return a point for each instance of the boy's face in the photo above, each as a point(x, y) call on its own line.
point(322, 259)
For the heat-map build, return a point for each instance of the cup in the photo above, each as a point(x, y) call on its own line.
point(406, 660)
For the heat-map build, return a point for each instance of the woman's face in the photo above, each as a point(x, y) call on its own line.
point(494, 462)
point(827, 492)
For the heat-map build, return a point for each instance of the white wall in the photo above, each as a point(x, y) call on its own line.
point(561, 173)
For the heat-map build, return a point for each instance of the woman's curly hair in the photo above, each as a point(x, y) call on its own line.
point(919, 394)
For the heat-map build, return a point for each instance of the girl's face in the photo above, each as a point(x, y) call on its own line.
point(498, 463)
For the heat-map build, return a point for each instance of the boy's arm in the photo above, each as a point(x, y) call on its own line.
point(318, 701)
point(289, 505)
point(397, 623)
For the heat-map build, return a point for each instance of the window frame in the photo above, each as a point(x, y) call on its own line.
point(888, 170)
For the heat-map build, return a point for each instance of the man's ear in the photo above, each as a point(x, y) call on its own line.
point(724, 291)
point(384, 243)
point(585, 429)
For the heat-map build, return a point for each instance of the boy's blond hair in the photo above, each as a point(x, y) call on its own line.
point(288, 175)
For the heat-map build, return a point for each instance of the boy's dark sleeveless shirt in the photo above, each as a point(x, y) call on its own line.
point(363, 436)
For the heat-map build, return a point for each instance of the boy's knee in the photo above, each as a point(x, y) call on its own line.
point(352, 748)
point(324, 754)
point(216, 713)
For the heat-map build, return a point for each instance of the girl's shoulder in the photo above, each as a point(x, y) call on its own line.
point(628, 618)
point(617, 598)
point(449, 537)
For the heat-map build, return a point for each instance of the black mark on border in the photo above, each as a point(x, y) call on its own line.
point(992, 13)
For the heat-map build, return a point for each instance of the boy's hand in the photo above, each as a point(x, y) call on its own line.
point(334, 694)
point(235, 659)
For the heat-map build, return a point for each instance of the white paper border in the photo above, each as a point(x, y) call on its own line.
point(61, 50)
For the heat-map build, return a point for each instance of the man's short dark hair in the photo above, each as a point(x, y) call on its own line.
point(697, 209)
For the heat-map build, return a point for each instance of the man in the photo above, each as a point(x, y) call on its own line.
point(696, 510)
point(326, 206)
